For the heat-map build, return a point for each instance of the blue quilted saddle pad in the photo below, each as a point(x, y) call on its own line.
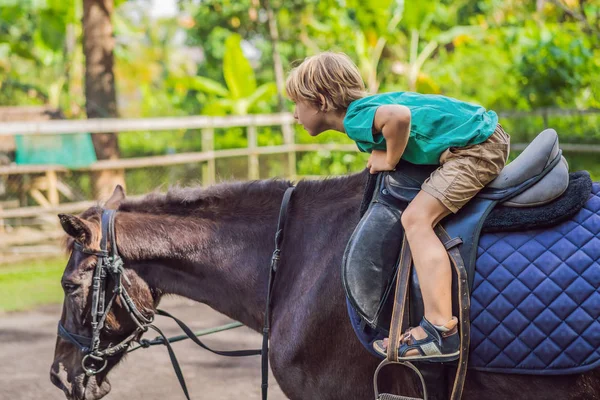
point(535, 305)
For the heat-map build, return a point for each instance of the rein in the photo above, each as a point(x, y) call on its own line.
point(111, 264)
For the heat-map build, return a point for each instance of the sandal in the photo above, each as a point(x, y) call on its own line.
point(438, 346)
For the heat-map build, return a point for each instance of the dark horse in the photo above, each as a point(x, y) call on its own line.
point(214, 245)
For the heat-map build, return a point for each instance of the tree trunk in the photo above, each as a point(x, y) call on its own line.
point(100, 94)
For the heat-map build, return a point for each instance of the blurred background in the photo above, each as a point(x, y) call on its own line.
point(152, 93)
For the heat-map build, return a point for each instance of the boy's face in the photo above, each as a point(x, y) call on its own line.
point(310, 118)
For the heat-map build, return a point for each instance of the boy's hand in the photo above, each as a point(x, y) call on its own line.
point(378, 162)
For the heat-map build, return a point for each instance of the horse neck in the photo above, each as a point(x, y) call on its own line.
point(223, 266)
point(223, 260)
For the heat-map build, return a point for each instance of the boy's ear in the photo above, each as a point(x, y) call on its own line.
point(323, 101)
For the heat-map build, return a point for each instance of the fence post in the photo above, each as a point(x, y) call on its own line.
point(208, 145)
point(253, 167)
point(288, 139)
point(52, 189)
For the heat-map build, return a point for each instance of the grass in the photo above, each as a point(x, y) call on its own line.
point(30, 284)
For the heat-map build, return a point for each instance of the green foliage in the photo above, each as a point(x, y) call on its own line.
point(237, 70)
point(241, 95)
point(32, 41)
point(555, 65)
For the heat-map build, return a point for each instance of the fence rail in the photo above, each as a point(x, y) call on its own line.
point(104, 125)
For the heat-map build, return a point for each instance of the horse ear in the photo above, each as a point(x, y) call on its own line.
point(115, 200)
point(76, 227)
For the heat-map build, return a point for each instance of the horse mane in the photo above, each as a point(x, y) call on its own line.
point(246, 202)
point(243, 199)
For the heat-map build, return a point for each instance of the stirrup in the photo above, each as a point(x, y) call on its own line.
point(389, 396)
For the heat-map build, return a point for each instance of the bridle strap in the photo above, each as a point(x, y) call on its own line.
point(275, 259)
point(192, 336)
point(99, 312)
point(81, 342)
point(162, 339)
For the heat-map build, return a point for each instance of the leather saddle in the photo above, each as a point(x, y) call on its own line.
point(537, 176)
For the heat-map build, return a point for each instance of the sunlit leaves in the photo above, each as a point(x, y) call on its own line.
point(241, 95)
point(237, 70)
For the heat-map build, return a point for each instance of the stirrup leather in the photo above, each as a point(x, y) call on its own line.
point(398, 316)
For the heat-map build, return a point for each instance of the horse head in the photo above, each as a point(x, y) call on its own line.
point(106, 306)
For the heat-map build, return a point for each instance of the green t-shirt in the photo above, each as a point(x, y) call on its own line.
point(437, 123)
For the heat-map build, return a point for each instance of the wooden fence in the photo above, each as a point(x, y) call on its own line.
point(48, 181)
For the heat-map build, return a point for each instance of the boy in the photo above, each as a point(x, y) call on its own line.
point(464, 139)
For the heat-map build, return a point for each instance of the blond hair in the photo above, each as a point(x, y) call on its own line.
point(329, 81)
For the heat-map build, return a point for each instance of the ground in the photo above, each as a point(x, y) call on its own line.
point(27, 342)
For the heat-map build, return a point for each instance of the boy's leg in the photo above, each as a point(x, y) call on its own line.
point(430, 258)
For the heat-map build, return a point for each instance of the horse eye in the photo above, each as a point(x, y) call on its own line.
point(69, 287)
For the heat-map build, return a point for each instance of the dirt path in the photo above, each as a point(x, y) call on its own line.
point(27, 346)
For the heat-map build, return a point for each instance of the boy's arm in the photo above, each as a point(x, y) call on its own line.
point(393, 121)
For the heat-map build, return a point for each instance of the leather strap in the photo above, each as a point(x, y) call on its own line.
point(273, 269)
point(400, 300)
point(464, 304)
point(397, 325)
point(190, 334)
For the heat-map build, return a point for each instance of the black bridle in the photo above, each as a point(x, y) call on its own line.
point(111, 264)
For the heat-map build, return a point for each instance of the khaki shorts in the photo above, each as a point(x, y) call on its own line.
point(464, 171)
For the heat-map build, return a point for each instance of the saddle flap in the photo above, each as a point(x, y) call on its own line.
point(370, 262)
